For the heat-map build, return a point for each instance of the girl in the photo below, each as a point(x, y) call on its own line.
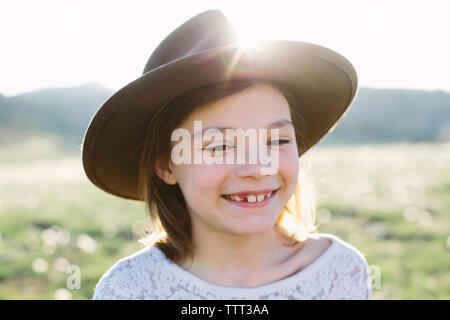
point(223, 228)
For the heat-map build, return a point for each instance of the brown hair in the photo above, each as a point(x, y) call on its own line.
point(170, 224)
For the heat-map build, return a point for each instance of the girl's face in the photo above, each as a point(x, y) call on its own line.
point(221, 197)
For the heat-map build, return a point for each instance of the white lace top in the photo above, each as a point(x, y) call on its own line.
point(341, 272)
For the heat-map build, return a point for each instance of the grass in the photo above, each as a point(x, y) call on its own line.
point(392, 202)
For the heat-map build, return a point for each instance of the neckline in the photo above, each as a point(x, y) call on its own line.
point(266, 288)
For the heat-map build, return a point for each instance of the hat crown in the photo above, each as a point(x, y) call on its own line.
point(207, 30)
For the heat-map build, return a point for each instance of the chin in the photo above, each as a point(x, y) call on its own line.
point(254, 229)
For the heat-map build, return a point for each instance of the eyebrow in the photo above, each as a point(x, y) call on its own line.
point(276, 124)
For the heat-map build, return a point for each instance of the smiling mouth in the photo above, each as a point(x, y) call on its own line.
point(250, 197)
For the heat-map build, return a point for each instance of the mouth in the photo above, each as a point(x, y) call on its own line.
point(251, 199)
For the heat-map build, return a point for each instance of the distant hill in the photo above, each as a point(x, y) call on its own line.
point(64, 112)
point(395, 115)
point(377, 115)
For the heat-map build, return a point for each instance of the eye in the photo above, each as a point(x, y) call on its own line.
point(217, 148)
point(278, 142)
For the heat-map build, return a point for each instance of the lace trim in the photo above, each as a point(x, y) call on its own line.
point(263, 289)
point(341, 272)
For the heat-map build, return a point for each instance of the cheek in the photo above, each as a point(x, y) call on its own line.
point(201, 183)
point(209, 178)
point(289, 167)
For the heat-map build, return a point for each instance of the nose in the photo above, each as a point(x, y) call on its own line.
point(252, 167)
point(250, 171)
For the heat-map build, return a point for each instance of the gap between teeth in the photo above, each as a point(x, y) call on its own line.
point(251, 198)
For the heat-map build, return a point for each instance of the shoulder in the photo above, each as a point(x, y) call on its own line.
point(126, 278)
point(352, 276)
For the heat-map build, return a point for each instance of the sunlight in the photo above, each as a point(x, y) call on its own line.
point(250, 40)
point(247, 42)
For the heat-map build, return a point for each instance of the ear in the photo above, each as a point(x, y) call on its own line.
point(164, 171)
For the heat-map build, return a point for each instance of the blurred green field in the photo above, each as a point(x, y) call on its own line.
point(392, 202)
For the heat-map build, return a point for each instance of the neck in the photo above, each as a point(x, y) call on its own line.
point(236, 260)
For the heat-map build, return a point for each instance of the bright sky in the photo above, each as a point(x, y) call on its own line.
point(392, 44)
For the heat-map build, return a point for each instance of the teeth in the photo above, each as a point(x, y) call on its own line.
point(251, 197)
point(236, 198)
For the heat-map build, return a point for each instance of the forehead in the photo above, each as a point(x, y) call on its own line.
point(254, 107)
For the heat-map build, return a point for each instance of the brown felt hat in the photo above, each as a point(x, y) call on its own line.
point(203, 51)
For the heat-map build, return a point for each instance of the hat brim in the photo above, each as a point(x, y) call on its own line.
point(323, 82)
